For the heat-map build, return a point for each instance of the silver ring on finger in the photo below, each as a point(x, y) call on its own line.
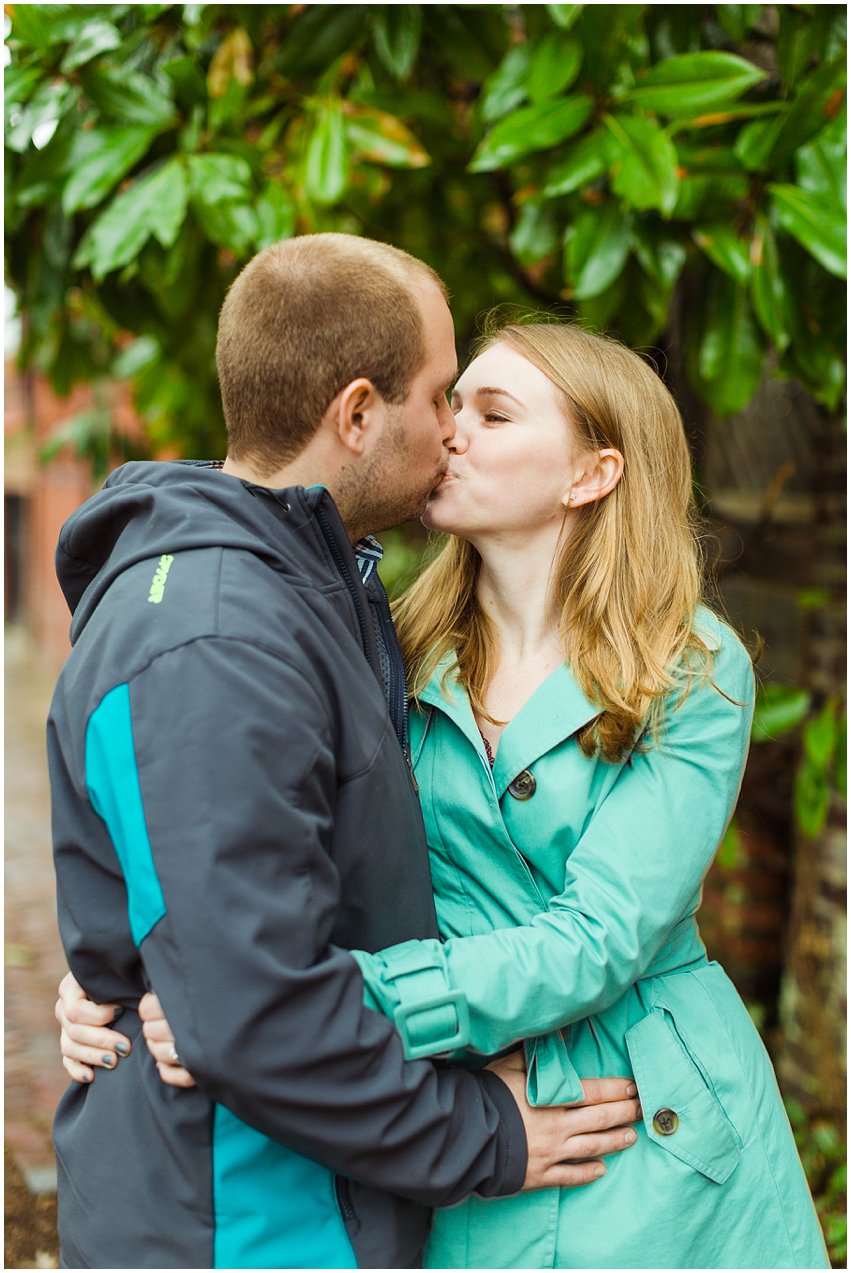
point(173, 1058)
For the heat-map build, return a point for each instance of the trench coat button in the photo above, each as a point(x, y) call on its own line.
point(665, 1122)
point(523, 786)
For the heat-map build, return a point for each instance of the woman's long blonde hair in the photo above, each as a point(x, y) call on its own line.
point(628, 579)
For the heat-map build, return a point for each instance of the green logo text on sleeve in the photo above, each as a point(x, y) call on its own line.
point(155, 596)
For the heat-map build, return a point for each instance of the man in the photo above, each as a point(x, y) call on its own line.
point(234, 809)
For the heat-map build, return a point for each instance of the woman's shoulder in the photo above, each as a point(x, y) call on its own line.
point(730, 664)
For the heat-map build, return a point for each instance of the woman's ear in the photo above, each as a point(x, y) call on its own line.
point(352, 413)
point(599, 473)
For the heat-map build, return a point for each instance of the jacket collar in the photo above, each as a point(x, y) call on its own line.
point(556, 710)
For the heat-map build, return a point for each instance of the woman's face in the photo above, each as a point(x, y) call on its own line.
point(513, 452)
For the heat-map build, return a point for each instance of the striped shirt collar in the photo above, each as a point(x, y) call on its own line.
point(368, 553)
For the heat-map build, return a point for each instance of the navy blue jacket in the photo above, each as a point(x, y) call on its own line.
point(232, 812)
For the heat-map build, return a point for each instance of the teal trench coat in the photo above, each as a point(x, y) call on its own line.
point(566, 892)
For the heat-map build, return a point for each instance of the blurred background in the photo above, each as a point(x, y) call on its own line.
point(673, 174)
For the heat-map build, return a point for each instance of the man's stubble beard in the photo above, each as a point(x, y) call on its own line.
point(380, 494)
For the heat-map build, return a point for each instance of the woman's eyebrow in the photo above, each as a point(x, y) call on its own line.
point(490, 391)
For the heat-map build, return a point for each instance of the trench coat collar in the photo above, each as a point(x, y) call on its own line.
point(556, 710)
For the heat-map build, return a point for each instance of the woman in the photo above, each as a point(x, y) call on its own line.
point(581, 729)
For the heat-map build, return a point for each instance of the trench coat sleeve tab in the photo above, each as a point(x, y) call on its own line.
point(410, 983)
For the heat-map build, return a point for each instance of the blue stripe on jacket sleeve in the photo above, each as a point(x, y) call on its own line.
point(274, 1208)
point(112, 780)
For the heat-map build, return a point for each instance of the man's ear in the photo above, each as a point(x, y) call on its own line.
point(353, 412)
point(599, 474)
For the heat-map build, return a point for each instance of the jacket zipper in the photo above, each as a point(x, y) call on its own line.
point(344, 1198)
point(398, 688)
point(398, 704)
point(343, 568)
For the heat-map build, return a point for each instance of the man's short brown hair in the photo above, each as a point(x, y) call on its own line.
point(304, 318)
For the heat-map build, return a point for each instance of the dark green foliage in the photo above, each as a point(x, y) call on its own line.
point(582, 157)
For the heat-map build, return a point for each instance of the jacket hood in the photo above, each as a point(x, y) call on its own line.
point(148, 509)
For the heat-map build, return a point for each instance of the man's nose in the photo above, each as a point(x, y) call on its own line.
point(457, 441)
point(447, 424)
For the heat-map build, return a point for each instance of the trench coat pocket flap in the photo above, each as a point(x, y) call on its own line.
point(550, 1076)
point(670, 1079)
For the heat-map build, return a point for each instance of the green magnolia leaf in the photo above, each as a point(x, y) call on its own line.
point(381, 138)
point(811, 798)
point(643, 162)
point(554, 66)
point(113, 154)
point(128, 96)
point(320, 34)
point(583, 163)
point(731, 352)
point(765, 144)
point(276, 215)
point(96, 37)
point(190, 85)
point(820, 167)
point(506, 87)
point(818, 227)
point(739, 110)
point(48, 105)
point(397, 29)
point(659, 255)
point(723, 246)
point(129, 362)
point(596, 249)
point(219, 179)
point(771, 297)
point(31, 25)
point(598, 311)
point(536, 233)
point(691, 82)
point(738, 19)
point(531, 128)
point(820, 736)
point(155, 204)
point(841, 769)
point(731, 854)
point(327, 167)
point(43, 172)
point(819, 364)
point(779, 709)
point(18, 84)
point(818, 99)
point(756, 142)
point(564, 15)
point(231, 225)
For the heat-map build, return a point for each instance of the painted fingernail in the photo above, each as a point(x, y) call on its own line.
point(631, 1089)
point(123, 1048)
point(598, 1172)
point(107, 1060)
point(630, 1136)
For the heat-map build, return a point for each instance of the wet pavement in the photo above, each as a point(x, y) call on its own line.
point(34, 960)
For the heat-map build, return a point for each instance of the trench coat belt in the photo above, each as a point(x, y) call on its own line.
point(552, 1078)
